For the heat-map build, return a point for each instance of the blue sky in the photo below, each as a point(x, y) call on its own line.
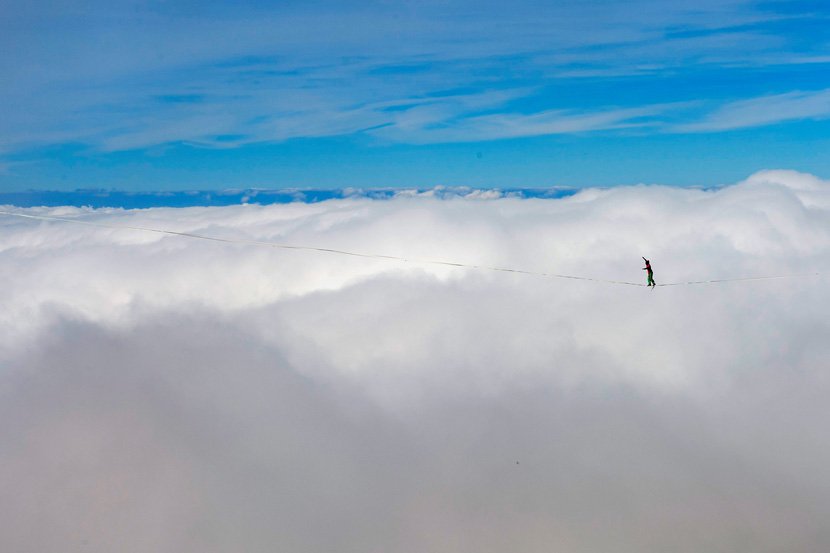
point(182, 95)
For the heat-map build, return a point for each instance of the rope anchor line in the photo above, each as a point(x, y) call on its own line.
point(380, 256)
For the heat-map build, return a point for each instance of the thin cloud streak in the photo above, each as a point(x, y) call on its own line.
point(504, 126)
point(765, 110)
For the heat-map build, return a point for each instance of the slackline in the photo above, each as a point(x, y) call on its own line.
point(379, 256)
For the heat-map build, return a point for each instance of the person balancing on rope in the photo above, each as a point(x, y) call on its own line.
point(650, 273)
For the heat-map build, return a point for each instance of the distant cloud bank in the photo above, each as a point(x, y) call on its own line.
point(218, 198)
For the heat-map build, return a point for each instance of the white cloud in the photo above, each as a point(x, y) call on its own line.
point(765, 110)
point(499, 126)
point(169, 394)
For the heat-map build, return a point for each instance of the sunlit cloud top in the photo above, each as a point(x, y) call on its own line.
point(161, 393)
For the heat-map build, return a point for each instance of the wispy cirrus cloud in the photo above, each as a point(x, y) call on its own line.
point(764, 110)
point(301, 113)
point(500, 126)
point(317, 69)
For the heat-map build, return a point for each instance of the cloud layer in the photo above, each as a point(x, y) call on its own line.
point(165, 394)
